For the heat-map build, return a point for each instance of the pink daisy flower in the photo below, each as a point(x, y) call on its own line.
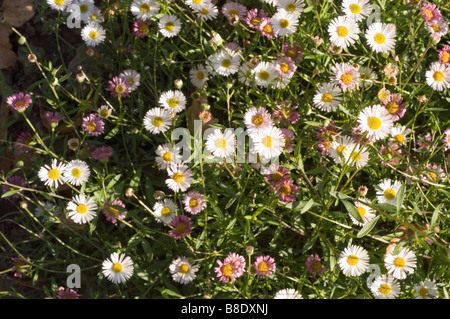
point(264, 266)
point(231, 268)
point(93, 124)
point(438, 28)
point(102, 153)
point(345, 75)
point(67, 294)
point(395, 106)
point(194, 202)
point(278, 176)
point(24, 139)
point(392, 154)
point(19, 101)
point(289, 141)
point(53, 118)
point(292, 51)
point(230, 9)
point(433, 173)
point(14, 180)
point(287, 191)
point(20, 266)
point(424, 143)
point(315, 266)
point(446, 139)
point(266, 29)
point(431, 12)
point(111, 213)
point(119, 86)
point(285, 67)
point(383, 95)
point(444, 55)
point(182, 226)
point(205, 116)
point(324, 135)
point(254, 18)
point(141, 28)
point(286, 111)
point(335, 49)
point(256, 119)
point(359, 137)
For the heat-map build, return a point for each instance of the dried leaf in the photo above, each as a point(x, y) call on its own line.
point(18, 12)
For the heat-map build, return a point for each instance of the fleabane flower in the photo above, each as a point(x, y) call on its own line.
point(365, 211)
point(357, 155)
point(169, 26)
point(182, 270)
point(284, 23)
point(118, 268)
point(19, 101)
point(375, 121)
point(207, 12)
point(387, 191)
point(119, 86)
point(265, 73)
point(381, 37)
point(157, 120)
point(399, 135)
point(180, 177)
point(357, 9)
point(221, 145)
point(199, 76)
point(60, 5)
point(234, 9)
point(444, 55)
point(268, 142)
point(231, 268)
point(224, 63)
point(144, 9)
point(82, 209)
point(402, 264)
point(165, 210)
point(327, 97)
point(438, 76)
point(285, 67)
point(294, 7)
point(85, 8)
point(340, 148)
point(167, 155)
point(438, 28)
point(354, 261)
point(288, 293)
point(194, 202)
point(173, 101)
point(431, 12)
point(314, 265)
point(197, 4)
point(133, 78)
point(426, 290)
point(76, 172)
point(287, 191)
point(112, 214)
point(343, 31)
point(345, 75)
point(93, 34)
point(181, 226)
point(257, 118)
point(385, 287)
point(254, 18)
point(52, 175)
point(264, 266)
point(93, 124)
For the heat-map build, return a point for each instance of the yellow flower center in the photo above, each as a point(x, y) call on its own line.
point(114, 211)
point(173, 102)
point(255, 22)
point(145, 7)
point(20, 103)
point(356, 156)
point(93, 35)
point(166, 211)
point(120, 89)
point(200, 76)
point(393, 108)
point(204, 11)
point(436, 27)
point(355, 8)
point(92, 126)
point(84, 8)
point(423, 292)
point(389, 194)
point(263, 266)
point(327, 98)
point(342, 31)
point(284, 68)
point(341, 149)
point(167, 157)
point(429, 14)
point(258, 120)
point(277, 176)
point(193, 203)
point(317, 266)
point(181, 228)
point(286, 190)
point(347, 78)
point(169, 26)
point(374, 123)
point(76, 172)
point(178, 177)
point(117, 268)
point(287, 142)
point(433, 176)
point(234, 12)
point(221, 143)
point(267, 142)
point(385, 289)
point(184, 269)
point(352, 260)
point(226, 63)
point(361, 211)
point(291, 53)
point(291, 7)
point(264, 75)
point(379, 38)
point(400, 138)
point(284, 23)
point(54, 173)
point(143, 28)
point(82, 209)
point(445, 57)
point(197, 1)
point(268, 29)
point(227, 270)
point(104, 113)
point(59, 2)
point(439, 76)
point(158, 121)
point(399, 262)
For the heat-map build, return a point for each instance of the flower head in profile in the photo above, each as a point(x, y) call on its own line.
point(111, 213)
point(288, 293)
point(118, 268)
point(21, 266)
point(67, 294)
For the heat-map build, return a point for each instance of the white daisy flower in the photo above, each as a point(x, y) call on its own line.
point(387, 191)
point(167, 155)
point(82, 209)
point(327, 97)
point(284, 23)
point(93, 34)
point(233, 8)
point(157, 120)
point(199, 76)
point(356, 155)
point(399, 135)
point(376, 121)
point(133, 77)
point(221, 144)
point(85, 8)
point(165, 210)
point(169, 26)
point(118, 268)
point(257, 118)
point(173, 101)
point(288, 293)
point(367, 76)
point(385, 287)
point(438, 76)
point(438, 28)
point(340, 147)
point(144, 9)
point(197, 4)
point(294, 7)
point(208, 12)
point(268, 142)
point(345, 75)
point(381, 37)
point(366, 212)
point(356, 9)
point(180, 177)
point(401, 264)
point(343, 31)
point(223, 62)
point(182, 270)
point(76, 172)
point(265, 73)
point(60, 5)
point(354, 261)
point(52, 175)
point(426, 290)
point(96, 16)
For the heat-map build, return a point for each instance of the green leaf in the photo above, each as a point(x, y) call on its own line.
point(351, 208)
point(368, 227)
point(435, 216)
point(307, 206)
point(340, 195)
point(399, 199)
point(113, 181)
point(10, 193)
